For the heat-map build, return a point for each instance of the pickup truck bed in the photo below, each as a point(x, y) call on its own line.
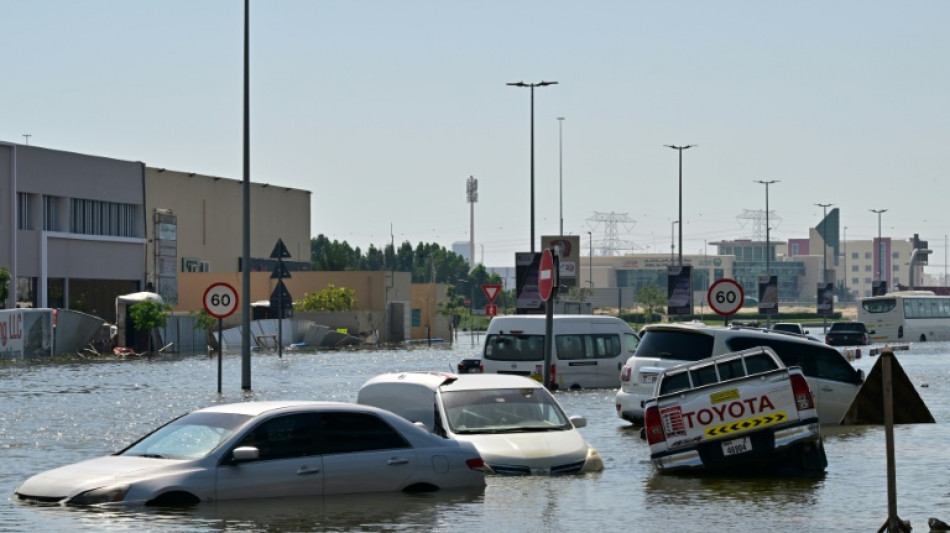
point(742, 412)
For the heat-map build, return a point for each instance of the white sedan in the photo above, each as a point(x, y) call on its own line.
point(265, 449)
point(517, 425)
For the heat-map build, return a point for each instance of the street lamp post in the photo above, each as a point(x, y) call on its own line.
point(824, 257)
point(532, 86)
point(768, 246)
point(680, 219)
point(673, 242)
point(560, 166)
point(590, 261)
point(880, 256)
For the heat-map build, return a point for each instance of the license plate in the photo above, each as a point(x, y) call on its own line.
point(647, 378)
point(736, 446)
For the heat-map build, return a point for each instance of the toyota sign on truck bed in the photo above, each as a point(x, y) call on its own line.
point(740, 412)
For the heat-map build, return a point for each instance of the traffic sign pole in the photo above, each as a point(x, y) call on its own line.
point(220, 301)
point(547, 287)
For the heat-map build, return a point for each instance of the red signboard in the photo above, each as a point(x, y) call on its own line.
point(546, 274)
point(491, 291)
point(491, 310)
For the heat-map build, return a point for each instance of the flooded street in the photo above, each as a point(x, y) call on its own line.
point(58, 413)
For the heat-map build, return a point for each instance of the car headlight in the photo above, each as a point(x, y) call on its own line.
point(101, 495)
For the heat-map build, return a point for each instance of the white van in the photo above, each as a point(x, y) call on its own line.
point(589, 350)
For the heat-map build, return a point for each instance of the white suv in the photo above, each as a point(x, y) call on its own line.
point(834, 382)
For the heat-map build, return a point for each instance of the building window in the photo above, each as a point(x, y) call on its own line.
point(867, 268)
point(23, 210)
point(896, 268)
point(896, 255)
point(854, 255)
point(855, 281)
point(91, 217)
point(795, 249)
point(50, 215)
point(855, 268)
point(867, 255)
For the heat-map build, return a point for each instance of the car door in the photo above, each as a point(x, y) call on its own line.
point(837, 383)
point(289, 463)
point(362, 453)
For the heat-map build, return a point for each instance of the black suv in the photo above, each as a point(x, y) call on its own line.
point(848, 334)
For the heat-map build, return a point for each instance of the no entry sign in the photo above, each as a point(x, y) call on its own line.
point(546, 274)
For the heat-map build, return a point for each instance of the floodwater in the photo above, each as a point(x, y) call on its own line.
point(58, 413)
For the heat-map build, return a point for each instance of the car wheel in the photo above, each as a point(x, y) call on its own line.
point(174, 499)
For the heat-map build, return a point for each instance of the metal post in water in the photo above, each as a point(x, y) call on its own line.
point(220, 349)
point(894, 524)
point(548, 340)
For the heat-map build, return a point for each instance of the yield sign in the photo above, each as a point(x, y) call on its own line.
point(491, 291)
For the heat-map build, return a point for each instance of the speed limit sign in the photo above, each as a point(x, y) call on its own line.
point(725, 297)
point(220, 300)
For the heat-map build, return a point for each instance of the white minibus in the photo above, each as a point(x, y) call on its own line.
point(907, 316)
point(588, 350)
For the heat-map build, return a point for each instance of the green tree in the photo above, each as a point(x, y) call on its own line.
point(331, 298)
point(148, 315)
point(4, 286)
point(652, 299)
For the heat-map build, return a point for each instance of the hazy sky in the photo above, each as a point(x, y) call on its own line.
point(384, 109)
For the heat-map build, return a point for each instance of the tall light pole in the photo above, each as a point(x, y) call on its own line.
point(880, 255)
point(471, 189)
point(560, 168)
point(680, 150)
point(590, 261)
point(673, 242)
point(532, 86)
point(847, 285)
point(768, 246)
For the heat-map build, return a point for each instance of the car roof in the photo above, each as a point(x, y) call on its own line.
point(259, 408)
point(729, 331)
point(449, 381)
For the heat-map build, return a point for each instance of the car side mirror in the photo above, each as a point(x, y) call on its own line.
point(245, 453)
point(578, 421)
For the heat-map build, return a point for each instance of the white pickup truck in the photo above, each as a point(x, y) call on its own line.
point(741, 412)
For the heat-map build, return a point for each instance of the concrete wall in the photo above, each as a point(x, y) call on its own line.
point(373, 290)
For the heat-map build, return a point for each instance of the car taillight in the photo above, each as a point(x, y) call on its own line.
point(802, 393)
point(475, 464)
point(625, 373)
point(827, 339)
point(653, 425)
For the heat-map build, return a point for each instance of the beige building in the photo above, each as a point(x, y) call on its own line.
point(194, 223)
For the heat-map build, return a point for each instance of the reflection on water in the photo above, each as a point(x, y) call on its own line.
point(59, 413)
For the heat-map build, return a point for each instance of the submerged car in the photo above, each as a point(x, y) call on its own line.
point(848, 334)
point(265, 450)
point(517, 426)
point(833, 380)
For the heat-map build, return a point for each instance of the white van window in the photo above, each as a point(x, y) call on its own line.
point(567, 347)
point(589, 346)
point(514, 347)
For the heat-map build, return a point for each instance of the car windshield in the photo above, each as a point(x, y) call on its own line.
point(192, 436)
point(503, 411)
